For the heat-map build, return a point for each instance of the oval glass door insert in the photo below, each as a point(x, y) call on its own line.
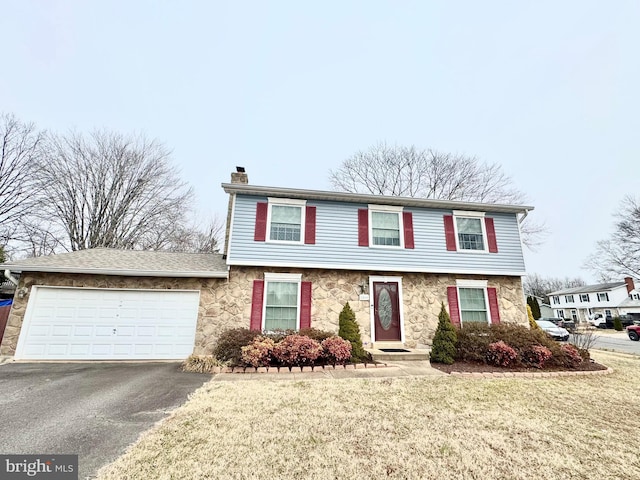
point(384, 309)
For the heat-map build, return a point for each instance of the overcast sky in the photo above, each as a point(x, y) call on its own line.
point(549, 90)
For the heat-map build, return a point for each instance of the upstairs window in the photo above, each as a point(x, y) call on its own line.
point(286, 223)
point(470, 233)
point(603, 297)
point(385, 229)
point(584, 297)
point(568, 298)
point(556, 299)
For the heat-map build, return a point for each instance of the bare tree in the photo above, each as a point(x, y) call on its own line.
point(196, 238)
point(620, 256)
point(412, 172)
point(19, 152)
point(110, 190)
point(539, 286)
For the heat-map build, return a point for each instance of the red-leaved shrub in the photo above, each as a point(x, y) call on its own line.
point(573, 357)
point(535, 355)
point(500, 354)
point(297, 350)
point(336, 349)
point(259, 352)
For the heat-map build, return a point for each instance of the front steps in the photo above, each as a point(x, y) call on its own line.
point(413, 354)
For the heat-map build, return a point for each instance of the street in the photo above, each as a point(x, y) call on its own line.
point(616, 341)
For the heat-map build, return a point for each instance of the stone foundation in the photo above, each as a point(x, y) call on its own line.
point(226, 304)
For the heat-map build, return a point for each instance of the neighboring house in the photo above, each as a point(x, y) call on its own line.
point(294, 258)
point(608, 299)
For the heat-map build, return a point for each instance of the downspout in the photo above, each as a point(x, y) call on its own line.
point(521, 219)
point(11, 278)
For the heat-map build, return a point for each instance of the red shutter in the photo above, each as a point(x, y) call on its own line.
point(310, 226)
point(449, 233)
point(261, 222)
point(491, 235)
point(256, 305)
point(407, 220)
point(363, 227)
point(493, 305)
point(305, 305)
point(454, 309)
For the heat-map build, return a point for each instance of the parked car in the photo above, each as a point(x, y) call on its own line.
point(561, 322)
point(600, 321)
point(551, 329)
point(634, 332)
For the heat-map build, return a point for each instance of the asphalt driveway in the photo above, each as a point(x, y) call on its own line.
point(94, 410)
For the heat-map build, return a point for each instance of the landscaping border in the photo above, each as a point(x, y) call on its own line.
point(317, 368)
point(530, 374)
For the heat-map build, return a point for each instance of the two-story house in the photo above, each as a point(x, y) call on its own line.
point(609, 299)
point(293, 259)
point(298, 256)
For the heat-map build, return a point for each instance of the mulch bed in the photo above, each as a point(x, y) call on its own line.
point(471, 367)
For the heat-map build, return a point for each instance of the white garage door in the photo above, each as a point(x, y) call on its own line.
point(102, 324)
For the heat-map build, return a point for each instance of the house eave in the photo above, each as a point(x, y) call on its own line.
point(118, 272)
point(280, 192)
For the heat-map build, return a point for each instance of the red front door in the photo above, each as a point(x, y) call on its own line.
point(386, 311)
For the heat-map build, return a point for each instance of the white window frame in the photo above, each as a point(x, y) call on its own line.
point(287, 202)
point(280, 278)
point(607, 314)
point(567, 297)
point(477, 215)
point(556, 299)
point(386, 209)
point(582, 295)
point(574, 314)
point(477, 284)
point(606, 297)
point(560, 313)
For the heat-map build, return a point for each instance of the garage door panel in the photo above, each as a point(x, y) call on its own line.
point(82, 323)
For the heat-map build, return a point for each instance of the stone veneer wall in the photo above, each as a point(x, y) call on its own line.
point(227, 303)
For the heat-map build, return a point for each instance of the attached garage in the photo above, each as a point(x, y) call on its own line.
point(101, 324)
point(104, 304)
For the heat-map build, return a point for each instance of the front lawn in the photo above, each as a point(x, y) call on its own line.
point(444, 427)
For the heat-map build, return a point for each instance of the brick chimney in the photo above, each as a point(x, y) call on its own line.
point(239, 176)
point(630, 284)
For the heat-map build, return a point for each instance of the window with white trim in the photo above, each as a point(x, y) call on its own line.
point(285, 220)
point(470, 231)
point(385, 226)
point(584, 297)
point(281, 301)
point(473, 301)
point(574, 315)
point(560, 313)
point(607, 313)
point(568, 298)
point(556, 299)
point(603, 297)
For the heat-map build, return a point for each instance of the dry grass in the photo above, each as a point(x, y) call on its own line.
point(444, 427)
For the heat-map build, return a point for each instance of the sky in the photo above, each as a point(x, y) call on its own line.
point(549, 90)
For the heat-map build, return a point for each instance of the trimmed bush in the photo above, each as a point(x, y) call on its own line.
point(259, 352)
point(535, 356)
point(228, 348)
point(572, 355)
point(350, 331)
point(500, 354)
point(336, 350)
point(316, 334)
point(617, 324)
point(297, 350)
point(443, 346)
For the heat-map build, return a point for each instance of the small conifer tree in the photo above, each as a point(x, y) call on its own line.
point(443, 347)
point(350, 331)
point(617, 324)
point(535, 308)
point(532, 323)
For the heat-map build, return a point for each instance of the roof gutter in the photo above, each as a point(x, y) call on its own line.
point(362, 198)
point(11, 278)
point(125, 273)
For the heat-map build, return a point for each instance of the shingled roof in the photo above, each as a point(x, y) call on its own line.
point(600, 287)
point(109, 261)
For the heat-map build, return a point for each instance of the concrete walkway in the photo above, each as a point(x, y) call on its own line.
point(396, 369)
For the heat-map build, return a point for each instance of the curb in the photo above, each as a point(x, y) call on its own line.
point(275, 370)
point(530, 374)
